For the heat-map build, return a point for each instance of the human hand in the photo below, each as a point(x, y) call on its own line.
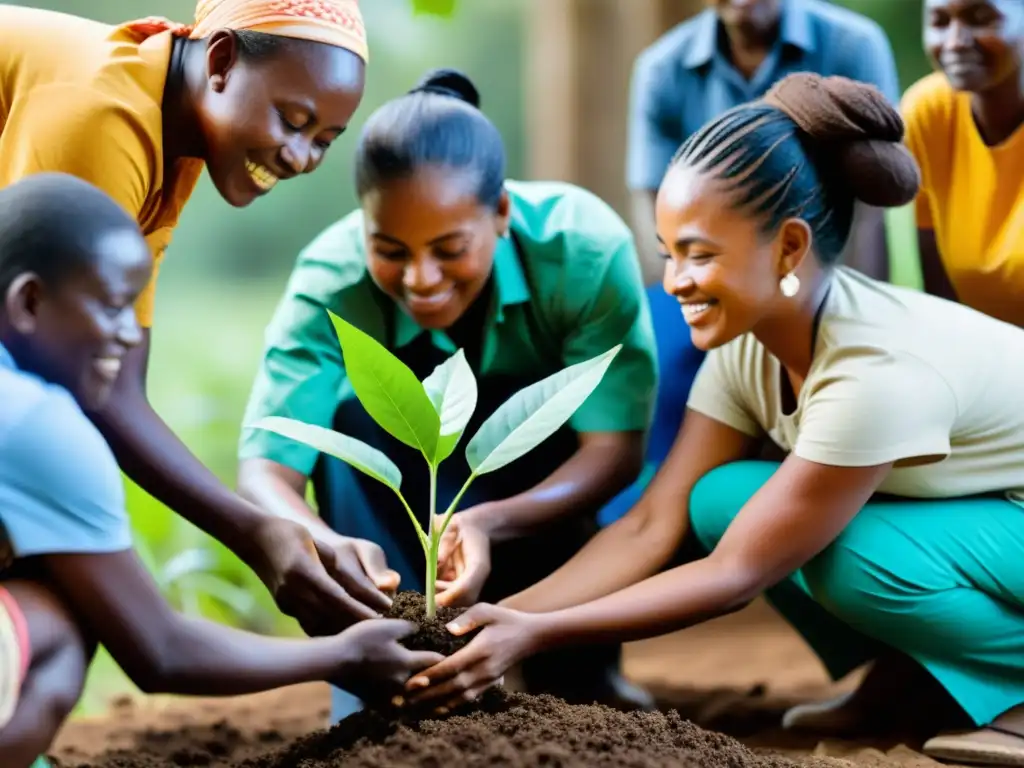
point(507, 637)
point(463, 562)
point(317, 584)
point(361, 567)
point(375, 666)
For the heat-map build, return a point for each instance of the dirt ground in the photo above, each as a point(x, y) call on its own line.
point(736, 675)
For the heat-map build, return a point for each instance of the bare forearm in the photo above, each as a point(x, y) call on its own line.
point(156, 459)
point(620, 555)
point(202, 658)
point(591, 476)
point(260, 484)
point(670, 601)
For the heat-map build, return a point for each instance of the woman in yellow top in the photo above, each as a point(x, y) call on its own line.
point(255, 91)
point(964, 129)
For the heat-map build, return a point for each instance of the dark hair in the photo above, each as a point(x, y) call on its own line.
point(257, 46)
point(50, 224)
point(437, 123)
point(809, 149)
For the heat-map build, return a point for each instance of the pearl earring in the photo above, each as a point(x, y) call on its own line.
point(789, 285)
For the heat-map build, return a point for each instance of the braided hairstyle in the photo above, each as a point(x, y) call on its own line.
point(809, 149)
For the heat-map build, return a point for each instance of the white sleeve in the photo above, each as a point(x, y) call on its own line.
point(877, 408)
point(717, 390)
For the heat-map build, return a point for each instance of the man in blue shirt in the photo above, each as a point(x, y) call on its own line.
point(72, 263)
point(729, 54)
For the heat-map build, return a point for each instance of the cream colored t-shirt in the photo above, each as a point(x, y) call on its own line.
point(897, 376)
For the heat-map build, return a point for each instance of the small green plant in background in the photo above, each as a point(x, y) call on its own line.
point(431, 416)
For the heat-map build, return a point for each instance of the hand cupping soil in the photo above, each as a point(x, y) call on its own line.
point(501, 729)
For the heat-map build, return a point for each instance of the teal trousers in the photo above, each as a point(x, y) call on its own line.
point(941, 580)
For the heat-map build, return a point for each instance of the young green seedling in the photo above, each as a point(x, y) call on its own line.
point(431, 416)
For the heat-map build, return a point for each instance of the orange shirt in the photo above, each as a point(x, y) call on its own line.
point(84, 98)
point(972, 195)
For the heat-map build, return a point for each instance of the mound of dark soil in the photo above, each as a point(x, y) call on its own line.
point(506, 730)
point(501, 729)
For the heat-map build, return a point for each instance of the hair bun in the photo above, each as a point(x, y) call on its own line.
point(449, 82)
point(856, 122)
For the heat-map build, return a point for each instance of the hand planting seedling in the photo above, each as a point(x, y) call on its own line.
point(430, 416)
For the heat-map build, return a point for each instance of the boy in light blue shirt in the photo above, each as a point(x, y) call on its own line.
point(72, 263)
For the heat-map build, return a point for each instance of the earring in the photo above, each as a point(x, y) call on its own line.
point(789, 285)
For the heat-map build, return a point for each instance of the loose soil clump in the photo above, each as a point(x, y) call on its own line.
point(510, 730)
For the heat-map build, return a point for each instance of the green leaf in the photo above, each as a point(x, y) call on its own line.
point(388, 390)
point(356, 453)
point(452, 389)
point(433, 7)
point(535, 413)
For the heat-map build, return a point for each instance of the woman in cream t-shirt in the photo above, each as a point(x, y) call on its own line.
point(888, 534)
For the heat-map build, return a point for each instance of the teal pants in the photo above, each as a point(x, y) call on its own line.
point(941, 580)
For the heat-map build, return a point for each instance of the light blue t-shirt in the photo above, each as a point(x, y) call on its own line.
point(686, 79)
point(60, 487)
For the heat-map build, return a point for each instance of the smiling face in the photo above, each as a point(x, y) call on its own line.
point(76, 332)
point(976, 43)
point(721, 267)
point(273, 118)
point(430, 243)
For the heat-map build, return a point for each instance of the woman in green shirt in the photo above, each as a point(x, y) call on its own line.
point(527, 278)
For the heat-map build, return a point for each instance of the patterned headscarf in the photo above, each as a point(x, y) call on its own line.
point(335, 22)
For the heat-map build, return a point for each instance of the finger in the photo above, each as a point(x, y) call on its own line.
point(467, 587)
point(453, 593)
point(394, 629)
point(327, 595)
point(471, 695)
point(480, 615)
point(348, 570)
point(452, 689)
point(449, 543)
point(450, 667)
point(375, 565)
point(420, 660)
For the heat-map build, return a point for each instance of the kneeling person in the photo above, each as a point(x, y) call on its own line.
point(72, 264)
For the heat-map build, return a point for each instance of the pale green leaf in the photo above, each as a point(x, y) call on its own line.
point(388, 390)
point(356, 453)
point(535, 413)
point(452, 389)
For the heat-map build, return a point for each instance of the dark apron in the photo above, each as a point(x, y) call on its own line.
point(356, 505)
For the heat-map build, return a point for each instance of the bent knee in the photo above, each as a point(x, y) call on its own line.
point(60, 651)
point(856, 588)
point(718, 497)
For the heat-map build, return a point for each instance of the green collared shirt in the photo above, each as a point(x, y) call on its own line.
point(572, 292)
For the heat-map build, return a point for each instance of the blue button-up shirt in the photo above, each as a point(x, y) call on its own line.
point(685, 78)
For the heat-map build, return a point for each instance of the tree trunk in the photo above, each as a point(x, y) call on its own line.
point(579, 60)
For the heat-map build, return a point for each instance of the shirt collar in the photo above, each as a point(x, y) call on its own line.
point(795, 30)
point(510, 285)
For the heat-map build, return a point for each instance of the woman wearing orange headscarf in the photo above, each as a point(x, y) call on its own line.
point(255, 91)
